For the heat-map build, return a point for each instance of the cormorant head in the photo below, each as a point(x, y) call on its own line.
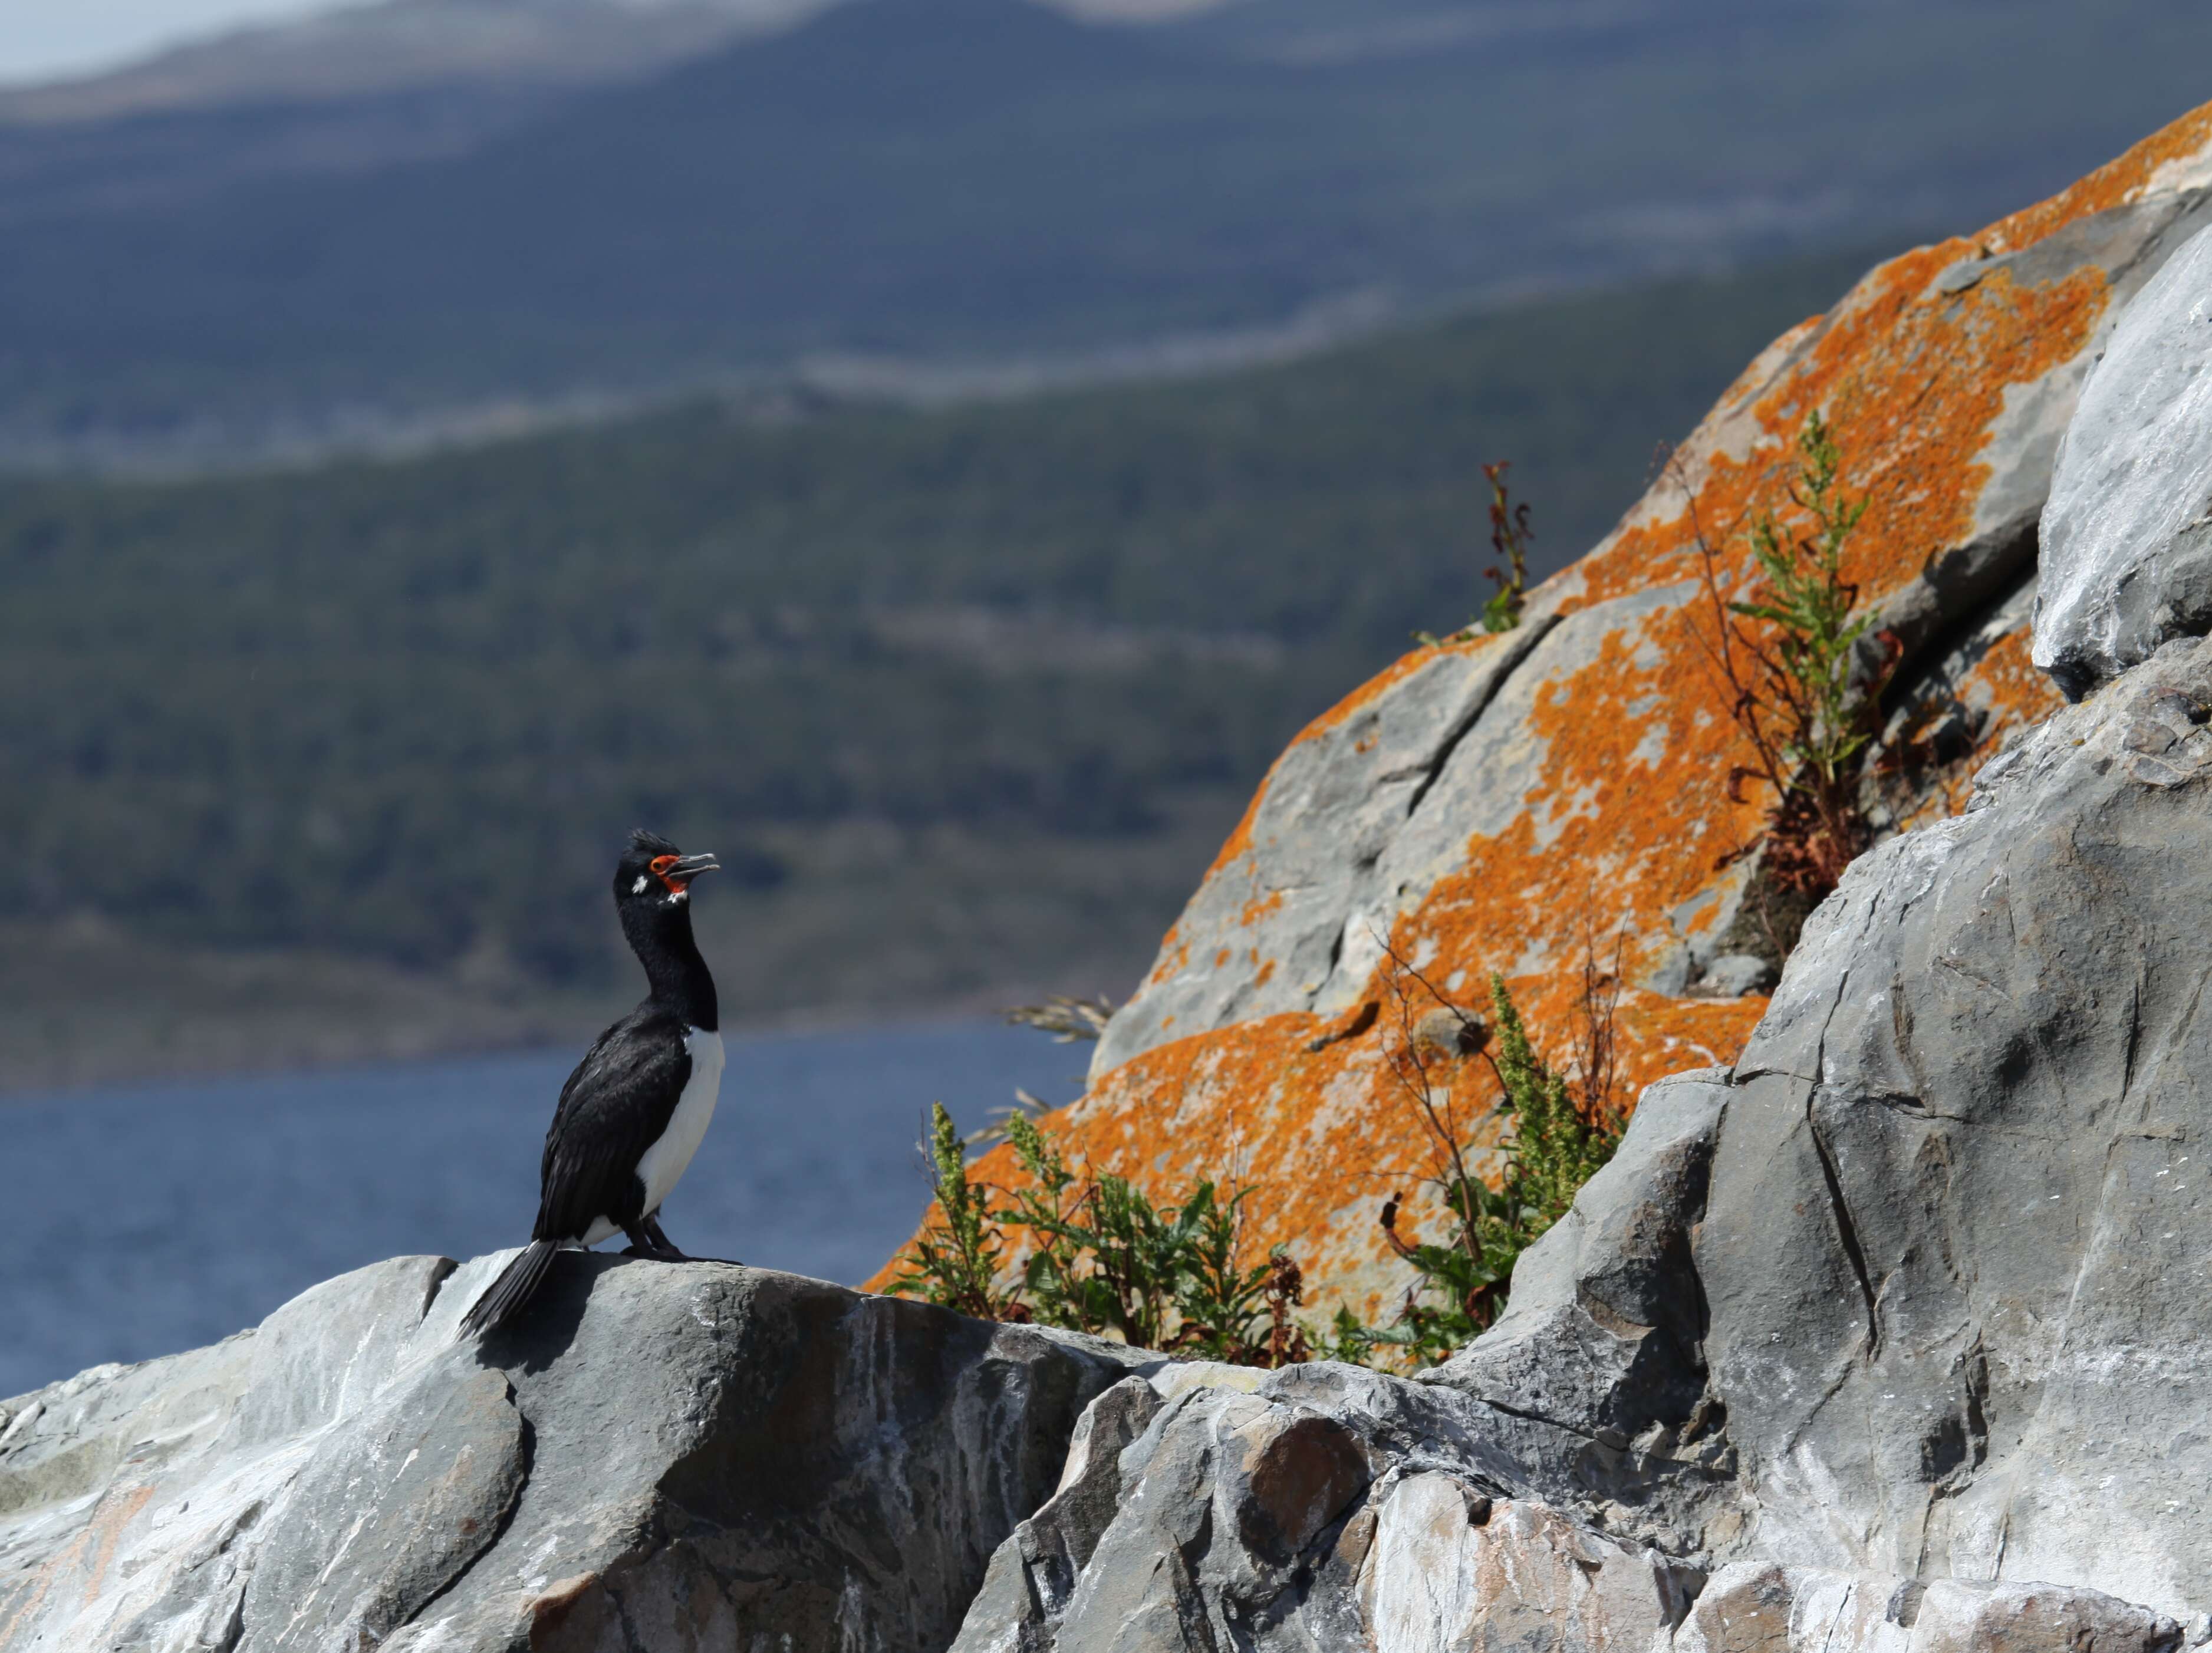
point(652, 872)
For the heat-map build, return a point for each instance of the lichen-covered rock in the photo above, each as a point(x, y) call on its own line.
point(663, 1457)
point(2127, 534)
point(1888, 1337)
point(1512, 803)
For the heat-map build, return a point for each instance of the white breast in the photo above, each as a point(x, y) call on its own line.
point(663, 1166)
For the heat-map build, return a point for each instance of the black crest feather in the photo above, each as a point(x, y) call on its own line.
point(650, 843)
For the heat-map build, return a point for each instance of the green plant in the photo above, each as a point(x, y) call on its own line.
point(1561, 1133)
point(955, 1259)
point(1104, 1258)
point(1790, 659)
point(1510, 537)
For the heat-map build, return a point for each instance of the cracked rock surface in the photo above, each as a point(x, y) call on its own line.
point(663, 1457)
point(1891, 1338)
point(1954, 1252)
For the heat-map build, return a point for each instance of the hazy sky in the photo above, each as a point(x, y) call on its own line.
point(44, 40)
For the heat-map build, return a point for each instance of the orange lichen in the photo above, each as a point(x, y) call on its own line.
point(1260, 906)
point(2007, 683)
point(1887, 369)
point(1175, 957)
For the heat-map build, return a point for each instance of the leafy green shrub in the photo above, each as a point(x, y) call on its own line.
point(955, 1259)
point(1101, 1257)
point(1561, 1135)
point(1097, 1256)
point(1789, 660)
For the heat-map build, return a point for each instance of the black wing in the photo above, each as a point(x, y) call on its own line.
point(614, 1107)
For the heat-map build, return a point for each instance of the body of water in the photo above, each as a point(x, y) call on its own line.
point(154, 1217)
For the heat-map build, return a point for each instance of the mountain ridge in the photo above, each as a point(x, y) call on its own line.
point(401, 46)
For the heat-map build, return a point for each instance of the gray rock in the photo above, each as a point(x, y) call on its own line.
point(1891, 1338)
point(1601, 1334)
point(1950, 1257)
point(1331, 1509)
point(663, 1457)
point(1448, 1571)
point(1032, 1575)
point(392, 1509)
point(1731, 976)
point(1757, 1608)
point(2127, 534)
point(1337, 800)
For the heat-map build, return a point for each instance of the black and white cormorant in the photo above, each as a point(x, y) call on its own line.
point(632, 1112)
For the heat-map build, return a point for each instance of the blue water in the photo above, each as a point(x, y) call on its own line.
point(149, 1218)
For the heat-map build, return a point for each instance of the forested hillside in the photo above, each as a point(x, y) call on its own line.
point(964, 699)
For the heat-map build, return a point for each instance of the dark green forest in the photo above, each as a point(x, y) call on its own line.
point(963, 698)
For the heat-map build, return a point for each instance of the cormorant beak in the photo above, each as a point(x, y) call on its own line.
point(677, 871)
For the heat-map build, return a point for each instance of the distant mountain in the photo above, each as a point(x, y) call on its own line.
point(928, 183)
point(407, 46)
point(391, 46)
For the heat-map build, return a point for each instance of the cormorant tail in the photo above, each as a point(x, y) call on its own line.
point(511, 1293)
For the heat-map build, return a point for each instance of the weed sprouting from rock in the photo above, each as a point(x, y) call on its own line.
point(955, 1259)
point(1803, 694)
point(1090, 1251)
point(1562, 1130)
point(1510, 537)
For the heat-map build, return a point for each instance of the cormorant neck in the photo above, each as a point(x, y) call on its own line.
point(660, 935)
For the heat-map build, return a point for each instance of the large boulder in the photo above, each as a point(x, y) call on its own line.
point(1950, 1255)
point(1515, 803)
point(1892, 1337)
point(665, 1457)
point(2127, 534)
